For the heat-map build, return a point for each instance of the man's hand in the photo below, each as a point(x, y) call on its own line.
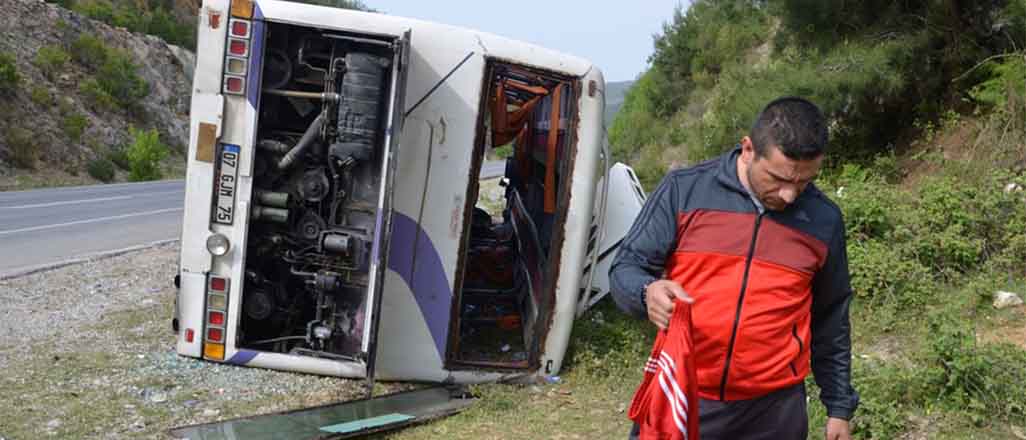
point(659, 296)
point(838, 429)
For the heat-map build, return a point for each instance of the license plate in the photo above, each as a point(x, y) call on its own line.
point(225, 184)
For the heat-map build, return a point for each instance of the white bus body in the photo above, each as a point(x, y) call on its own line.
point(333, 174)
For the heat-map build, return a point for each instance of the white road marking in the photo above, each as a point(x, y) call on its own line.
point(181, 191)
point(66, 202)
point(92, 220)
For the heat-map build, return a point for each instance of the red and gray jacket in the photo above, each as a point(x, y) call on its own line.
point(771, 289)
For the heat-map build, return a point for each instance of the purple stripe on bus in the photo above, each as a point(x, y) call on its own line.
point(242, 357)
point(256, 54)
point(415, 259)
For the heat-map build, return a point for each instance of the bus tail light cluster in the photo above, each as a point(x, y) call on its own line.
point(236, 61)
point(216, 317)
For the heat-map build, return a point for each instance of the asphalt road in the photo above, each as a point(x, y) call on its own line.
point(46, 226)
point(493, 169)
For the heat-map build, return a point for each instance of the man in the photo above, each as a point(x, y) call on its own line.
point(760, 253)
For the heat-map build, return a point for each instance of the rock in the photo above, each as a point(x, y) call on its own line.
point(1003, 299)
point(154, 395)
point(210, 412)
point(1013, 187)
point(1018, 432)
point(53, 424)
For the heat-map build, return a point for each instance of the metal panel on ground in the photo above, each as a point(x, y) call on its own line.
point(336, 421)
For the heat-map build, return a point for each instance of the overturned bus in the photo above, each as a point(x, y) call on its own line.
point(332, 219)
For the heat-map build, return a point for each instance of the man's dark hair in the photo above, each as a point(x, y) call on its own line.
point(795, 125)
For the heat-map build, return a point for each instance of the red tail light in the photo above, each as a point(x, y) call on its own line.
point(218, 284)
point(233, 84)
point(215, 334)
point(215, 318)
point(240, 28)
point(238, 47)
point(189, 335)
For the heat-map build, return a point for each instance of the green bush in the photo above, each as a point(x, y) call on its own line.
point(1004, 82)
point(636, 124)
point(902, 243)
point(96, 96)
point(504, 152)
point(101, 169)
point(8, 73)
point(101, 10)
point(89, 51)
point(23, 150)
point(882, 275)
point(41, 96)
point(73, 125)
point(145, 154)
point(51, 60)
point(118, 78)
point(150, 17)
point(164, 25)
point(888, 394)
point(119, 156)
point(985, 381)
point(868, 202)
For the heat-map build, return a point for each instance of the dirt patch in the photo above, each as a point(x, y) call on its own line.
point(1008, 326)
point(87, 352)
point(955, 143)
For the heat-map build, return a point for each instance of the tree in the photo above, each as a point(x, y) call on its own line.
point(145, 154)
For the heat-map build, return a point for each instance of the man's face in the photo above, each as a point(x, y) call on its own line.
point(775, 179)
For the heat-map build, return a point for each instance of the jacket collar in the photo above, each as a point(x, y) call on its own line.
point(727, 170)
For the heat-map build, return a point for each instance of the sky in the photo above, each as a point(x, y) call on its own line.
point(616, 36)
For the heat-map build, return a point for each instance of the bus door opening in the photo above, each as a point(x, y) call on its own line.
point(506, 291)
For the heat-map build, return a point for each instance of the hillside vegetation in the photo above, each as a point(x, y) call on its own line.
point(927, 109)
point(75, 94)
point(97, 91)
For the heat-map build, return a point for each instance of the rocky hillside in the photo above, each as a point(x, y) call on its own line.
point(59, 116)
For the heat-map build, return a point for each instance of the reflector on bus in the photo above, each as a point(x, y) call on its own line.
point(239, 28)
point(235, 66)
point(235, 85)
point(238, 47)
point(213, 351)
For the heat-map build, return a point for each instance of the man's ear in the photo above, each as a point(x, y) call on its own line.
point(747, 150)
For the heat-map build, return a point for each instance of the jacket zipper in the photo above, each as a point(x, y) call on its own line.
point(740, 301)
point(794, 332)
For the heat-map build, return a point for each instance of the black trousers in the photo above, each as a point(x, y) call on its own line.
point(780, 415)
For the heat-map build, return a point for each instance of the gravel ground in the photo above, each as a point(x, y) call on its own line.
point(87, 352)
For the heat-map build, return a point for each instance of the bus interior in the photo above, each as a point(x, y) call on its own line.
point(513, 232)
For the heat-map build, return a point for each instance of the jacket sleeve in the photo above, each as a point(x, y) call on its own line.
point(642, 253)
point(831, 331)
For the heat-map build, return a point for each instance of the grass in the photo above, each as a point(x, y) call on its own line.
point(604, 367)
point(20, 179)
point(94, 392)
point(601, 371)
